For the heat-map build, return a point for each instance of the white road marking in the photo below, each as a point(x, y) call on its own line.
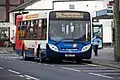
point(31, 77)
point(101, 75)
point(2, 57)
point(39, 63)
point(13, 71)
point(52, 65)
point(5, 58)
point(28, 78)
point(21, 75)
point(1, 68)
point(71, 69)
point(88, 73)
point(45, 64)
point(33, 62)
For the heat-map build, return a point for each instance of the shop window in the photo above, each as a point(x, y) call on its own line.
point(4, 33)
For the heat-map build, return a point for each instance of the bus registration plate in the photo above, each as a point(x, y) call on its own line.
point(69, 55)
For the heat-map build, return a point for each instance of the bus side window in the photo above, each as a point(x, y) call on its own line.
point(28, 29)
point(39, 29)
point(35, 28)
point(23, 29)
point(19, 29)
point(44, 28)
point(26, 32)
point(31, 30)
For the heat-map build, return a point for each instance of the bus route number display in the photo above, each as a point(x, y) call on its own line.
point(69, 15)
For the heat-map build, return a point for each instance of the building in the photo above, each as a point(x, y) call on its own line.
point(105, 18)
point(6, 6)
point(36, 6)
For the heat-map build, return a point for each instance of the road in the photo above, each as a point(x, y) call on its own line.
point(12, 67)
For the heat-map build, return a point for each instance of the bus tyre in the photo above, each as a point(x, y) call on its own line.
point(24, 56)
point(40, 58)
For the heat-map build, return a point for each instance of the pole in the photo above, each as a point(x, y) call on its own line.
point(21, 1)
point(7, 8)
point(117, 30)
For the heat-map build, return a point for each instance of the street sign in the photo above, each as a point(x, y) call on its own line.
point(110, 9)
point(5, 24)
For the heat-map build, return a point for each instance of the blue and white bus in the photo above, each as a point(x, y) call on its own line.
point(69, 35)
point(56, 35)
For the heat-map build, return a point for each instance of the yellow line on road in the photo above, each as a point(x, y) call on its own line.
point(92, 65)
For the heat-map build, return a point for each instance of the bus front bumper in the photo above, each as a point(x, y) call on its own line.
point(61, 55)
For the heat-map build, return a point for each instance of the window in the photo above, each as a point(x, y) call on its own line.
point(4, 33)
point(109, 11)
point(34, 29)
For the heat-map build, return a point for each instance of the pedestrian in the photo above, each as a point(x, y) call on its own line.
point(95, 43)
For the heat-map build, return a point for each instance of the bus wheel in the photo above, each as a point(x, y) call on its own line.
point(24, 56)
point(40, 58)
point(23, 53)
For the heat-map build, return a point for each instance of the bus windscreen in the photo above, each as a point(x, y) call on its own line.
point(69, 25)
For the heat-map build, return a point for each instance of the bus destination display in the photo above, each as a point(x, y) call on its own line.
point(69, 15)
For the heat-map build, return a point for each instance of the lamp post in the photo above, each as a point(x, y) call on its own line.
point(117, 29)
point(7, 8)
point(21, 1)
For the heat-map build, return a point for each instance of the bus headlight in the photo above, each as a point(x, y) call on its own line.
point(85, 48)
point(53, 47)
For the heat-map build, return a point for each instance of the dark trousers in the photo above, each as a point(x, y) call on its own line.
point(95, 49)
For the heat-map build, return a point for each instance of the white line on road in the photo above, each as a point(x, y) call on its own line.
point(45, 64)
point(21, 75)
point(33, 62)
point(28, 78)
point(101, 75)
point(71, 69)
point(1, 68)
point(5, 58)
point(52, 65)
point(39, 63)
point(31, 77)
point(13, 71)
point(1, 57)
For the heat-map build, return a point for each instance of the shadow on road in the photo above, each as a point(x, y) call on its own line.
point(63, 62)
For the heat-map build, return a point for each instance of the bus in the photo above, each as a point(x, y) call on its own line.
point(56, 35)
point(30, 34)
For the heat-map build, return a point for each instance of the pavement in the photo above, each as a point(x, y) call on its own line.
point(106, 58)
